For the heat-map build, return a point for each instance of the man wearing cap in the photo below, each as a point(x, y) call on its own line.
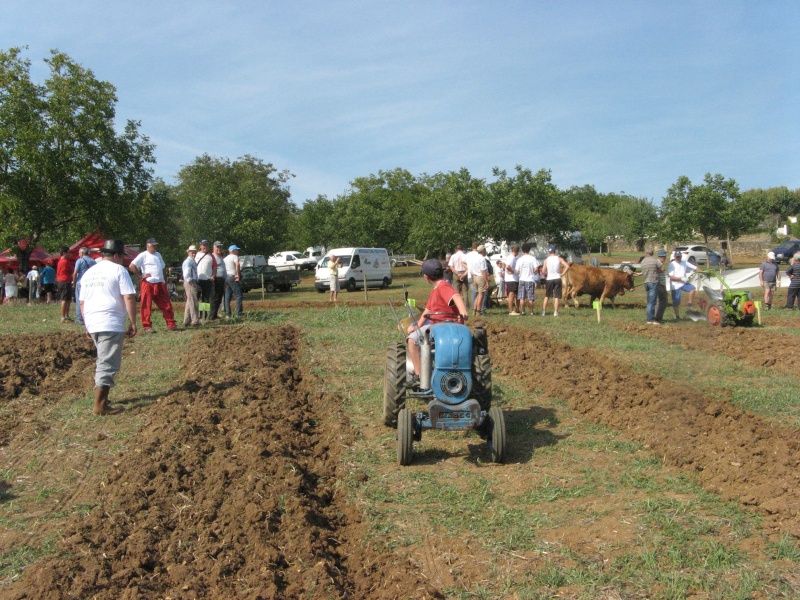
point(445, 304)
point(152, 269)
point(220, 274)
point(678, 273)
point(81, 266)
point(458, 265)
point(793, 273)
point(206, 270)
point(553, 269)
point(233, 275)
point(651, 268)
point(191, 289)
point(769, 276)
point(107, 297)
point(661, 297)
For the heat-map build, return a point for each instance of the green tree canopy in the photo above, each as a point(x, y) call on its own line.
point(64, 170)
point(244, 202)
point(688, 209)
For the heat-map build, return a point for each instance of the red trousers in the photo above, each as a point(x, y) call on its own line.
point(156, 292)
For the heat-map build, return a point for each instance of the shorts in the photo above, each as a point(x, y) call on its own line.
point(527, 290)
point(48, 288)
point(553, 288)
point(479, 281)
point(512, 287)
point(334, 283)
point(676, 294)
point(65, 291)
point(770, 285)
point(11, 291)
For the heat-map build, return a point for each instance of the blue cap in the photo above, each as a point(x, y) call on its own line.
point(432, 268)
point(233, 247)
point(551, 249)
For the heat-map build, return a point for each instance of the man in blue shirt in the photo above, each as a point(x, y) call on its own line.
point(83, 264)
point(47, 277)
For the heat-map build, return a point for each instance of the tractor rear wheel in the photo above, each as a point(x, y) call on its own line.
point(497, 443)
point(405, 437)
point(716, 316)
point(394, 383)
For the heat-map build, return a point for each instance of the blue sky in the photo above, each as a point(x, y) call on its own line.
point(625, 96)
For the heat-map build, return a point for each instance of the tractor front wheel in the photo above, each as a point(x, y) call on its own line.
point(405, 437)
point(497, 443)
point(394, 383)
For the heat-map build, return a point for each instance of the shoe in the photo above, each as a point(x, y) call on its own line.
point(656, 323)
point(522, 313)
point(149, 330)
point(544, 314)
point(555, 314)
point(174, 329)
point(513, 314)
point(650, 322)
point(768, 306)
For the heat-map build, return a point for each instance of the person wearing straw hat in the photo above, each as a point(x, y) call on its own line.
point(191, 288)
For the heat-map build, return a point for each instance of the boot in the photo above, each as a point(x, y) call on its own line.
point(101, 407)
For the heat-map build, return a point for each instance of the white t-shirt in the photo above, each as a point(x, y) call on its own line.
point(102, 290)
point(681, 269)
point(476, 263)
point(527, 265)
point(230, 264)
point(553, 264)
point(205, 264)
point(512, 272)
point(150, 263)
point(33, 275)
point(457, 262)
point(221, 270)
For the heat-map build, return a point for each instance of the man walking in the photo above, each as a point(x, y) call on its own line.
point(191, 289)
point(661, 296)
point(81, 266)
point(233, 287)
point(512, 280)
point(152, 269)
point(107, 297)
point(769, 276)
point(651, 268)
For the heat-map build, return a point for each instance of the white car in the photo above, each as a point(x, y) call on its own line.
point(699, 254)
point(291, 259)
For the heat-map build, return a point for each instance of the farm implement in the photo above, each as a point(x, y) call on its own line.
point(727, 306)
point(455, 383)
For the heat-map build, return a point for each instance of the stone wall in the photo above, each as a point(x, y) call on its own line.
point(749, 245)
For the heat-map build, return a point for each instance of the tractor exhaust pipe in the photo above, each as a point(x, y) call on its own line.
point(425, 363)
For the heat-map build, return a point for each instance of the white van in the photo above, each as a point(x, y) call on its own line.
point(356, 263)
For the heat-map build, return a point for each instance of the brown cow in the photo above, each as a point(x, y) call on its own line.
point(595, 281)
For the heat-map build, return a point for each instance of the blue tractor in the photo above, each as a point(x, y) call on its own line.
point(455, 382)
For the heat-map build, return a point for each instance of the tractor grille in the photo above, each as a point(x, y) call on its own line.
point(453, 383)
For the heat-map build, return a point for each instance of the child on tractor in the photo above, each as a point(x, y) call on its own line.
point(444, 304)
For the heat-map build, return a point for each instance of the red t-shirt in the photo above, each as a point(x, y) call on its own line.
point(439, 302)
point(64, 269)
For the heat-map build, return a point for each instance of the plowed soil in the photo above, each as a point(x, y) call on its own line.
point(230, 491)
point(231, 486)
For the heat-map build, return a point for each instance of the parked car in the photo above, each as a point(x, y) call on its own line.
point(698, 255)
point(291, 259)
point(274, 280)
point(786, 250)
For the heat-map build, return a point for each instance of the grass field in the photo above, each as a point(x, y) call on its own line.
point(579, 509)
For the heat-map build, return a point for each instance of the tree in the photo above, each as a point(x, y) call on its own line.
point(64, 170)
point(688, 208)
point(634, 219)
point(245, 202)
point(313, 224)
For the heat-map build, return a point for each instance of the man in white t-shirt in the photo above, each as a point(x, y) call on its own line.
point(107, 297)
point(152, 269)
point(206, 271)
point(554, 268)
point(526, 266)
point(220, 275)
point(476, 265)
point(233, 276)
point(512, 280)
point(458, 265)
point(678, 273)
